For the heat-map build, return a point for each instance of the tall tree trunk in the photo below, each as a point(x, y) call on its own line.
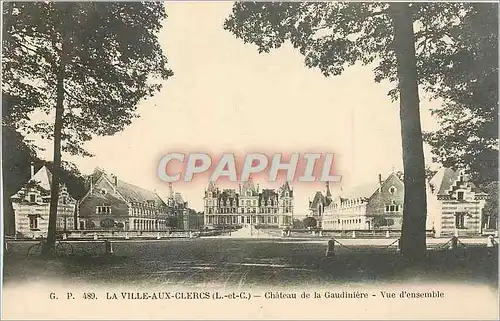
point(413, 236)
point(56, 171)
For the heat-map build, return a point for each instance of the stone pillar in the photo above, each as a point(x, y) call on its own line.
point(108, 247)
point(95, 236)
point(330, 249)
point(490, 242)
point(353, 234)
point(454, 243)
point(387, 234)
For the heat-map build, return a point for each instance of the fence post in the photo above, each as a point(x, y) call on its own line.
point(454, 243)
point(490, 242)
point(387, 234)
point(330, 250)
point(108, 247)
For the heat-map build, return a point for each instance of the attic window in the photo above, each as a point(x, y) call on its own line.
point(286, 194)
point(392, 190)
point(103, 191)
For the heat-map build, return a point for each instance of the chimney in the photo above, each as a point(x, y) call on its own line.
point(170, 190)
point(380, 179)
point(115, 180)
point(32, 170)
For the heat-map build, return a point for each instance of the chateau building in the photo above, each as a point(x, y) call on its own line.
point(111, 203)
point(248, 206)
point(371, 206)
point(455, 204)
point(31, 206)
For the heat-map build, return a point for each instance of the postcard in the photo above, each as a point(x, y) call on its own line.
point(250, 160)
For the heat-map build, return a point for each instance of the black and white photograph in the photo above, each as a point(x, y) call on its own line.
point(249, 160)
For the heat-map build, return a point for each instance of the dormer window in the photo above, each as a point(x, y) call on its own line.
point(460, 196)
point(286, 194)
point(32, 198)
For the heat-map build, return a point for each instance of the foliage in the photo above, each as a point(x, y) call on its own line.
point(89, 63)
point(490, 211)
point(107, 223)
point(310, 222)
point(467, 80)
point(298, 224)
point(409, 44)
point(380, 221)
point(113, 55)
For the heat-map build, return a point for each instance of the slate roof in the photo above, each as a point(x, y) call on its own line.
point(130, 192)
point(319, 198)
point(286, 187)
point(365, 190)
point(43, 178)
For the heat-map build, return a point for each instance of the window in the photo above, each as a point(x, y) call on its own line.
point(460, 220)
point(32, 198)
point(460, 196)
point(286, 194)
point(103, 210)
point(392, 208)
point(392, 190)
point(33, 222)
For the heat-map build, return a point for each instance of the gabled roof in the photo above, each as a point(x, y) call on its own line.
point(178, 198)
point(319, 198)
point(366, 190)
point(445, 179)
point(130, 193)
point(43, 178)
point(286, 188)
point(249, 186)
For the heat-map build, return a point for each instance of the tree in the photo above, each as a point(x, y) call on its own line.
point(298, 224)
point(490, 211)
point(16, 158)
point(310, 222)
point(334, 35)
point(467, 81)
point(89, 64)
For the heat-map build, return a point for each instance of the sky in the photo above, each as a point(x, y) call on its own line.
point(226, 97)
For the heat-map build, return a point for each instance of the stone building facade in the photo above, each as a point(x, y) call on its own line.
point(366, 207)
point(31, 206)
point(248, 206)
point(111, 203)
point(455, 204)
